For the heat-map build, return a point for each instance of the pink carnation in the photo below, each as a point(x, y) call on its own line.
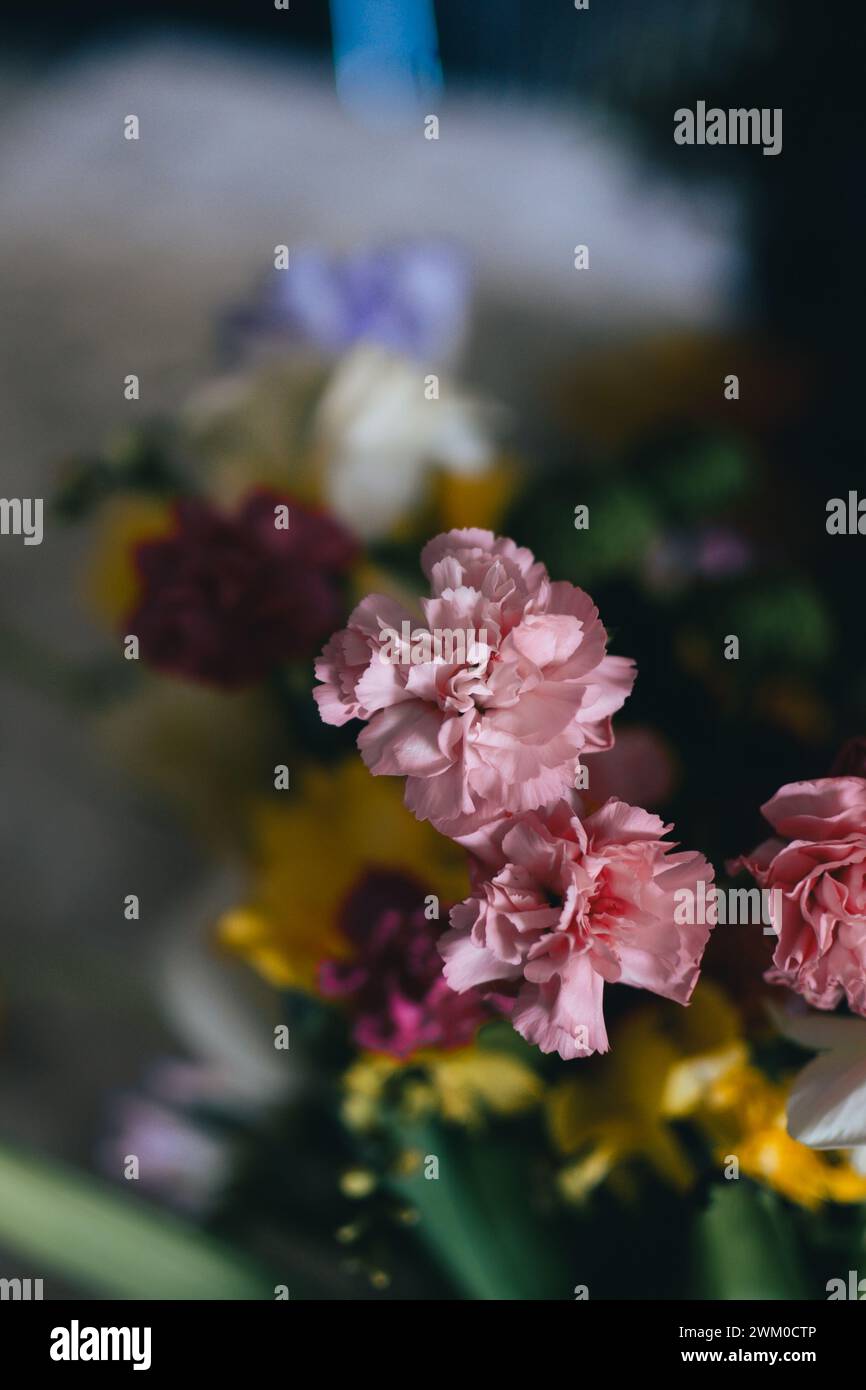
point(502, 729)
point(818, 863)
point(562, 905)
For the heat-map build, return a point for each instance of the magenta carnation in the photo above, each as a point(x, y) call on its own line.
point(817, 861)
point(489, 703)
point(224, 598)
point(562, 906)
point(393, 984)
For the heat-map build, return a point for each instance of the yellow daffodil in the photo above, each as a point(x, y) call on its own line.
point(617, 1113)
point(689, 1064)
point(744, 1113)
point(619, 1108)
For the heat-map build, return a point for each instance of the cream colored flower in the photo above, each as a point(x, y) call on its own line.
point(380, 438)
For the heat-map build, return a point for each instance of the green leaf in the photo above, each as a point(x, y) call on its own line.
point(61, 1221)
point(477, 1220)
point(745, 1247)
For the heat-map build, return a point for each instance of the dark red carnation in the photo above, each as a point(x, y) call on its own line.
point(226, 597)
point(393, 984)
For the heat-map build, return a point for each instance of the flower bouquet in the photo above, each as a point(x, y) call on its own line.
point(457, 1015)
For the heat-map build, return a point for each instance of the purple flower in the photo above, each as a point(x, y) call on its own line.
point(393, 985)
point(410, 298)
point(179, 1160)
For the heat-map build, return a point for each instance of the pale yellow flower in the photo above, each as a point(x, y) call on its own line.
point(461, 1086)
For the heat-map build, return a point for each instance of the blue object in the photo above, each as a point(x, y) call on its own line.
point(386, 56)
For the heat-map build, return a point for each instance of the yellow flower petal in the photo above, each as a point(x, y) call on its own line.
point(311, 850)
point(462, 1086)
point(111, 584)
point(477, 500)
point(472, 1081)
point(618, 1105)
point(745, 1113)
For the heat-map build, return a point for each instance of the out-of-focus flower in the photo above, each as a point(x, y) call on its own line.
point(222, 1013)
point(224, 599)
point(495, 721)
point(380, 435)
point(252, 429)
point(460, 501)
point(621, 1111)
point(393, 984)
point(744, 1113)
point(461, 1086)
point(309, 854)
point(179, 1158)
point(817, 861)
point(359, 437)
point(563, 906)
point(410, 297)
point(639, 768)
point(687, 1066)
point(112, 582)
point(827, 1101)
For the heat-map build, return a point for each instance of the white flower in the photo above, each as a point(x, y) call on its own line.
point(827, 1103)
point(380, 437)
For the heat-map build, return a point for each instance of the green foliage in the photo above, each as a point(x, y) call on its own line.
point(106, 1241)
point(700, 478)
point(782, 622)
point(478, 1218)
point(745, 1247)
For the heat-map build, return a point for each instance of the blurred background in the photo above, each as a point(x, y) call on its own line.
point(259, 127)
